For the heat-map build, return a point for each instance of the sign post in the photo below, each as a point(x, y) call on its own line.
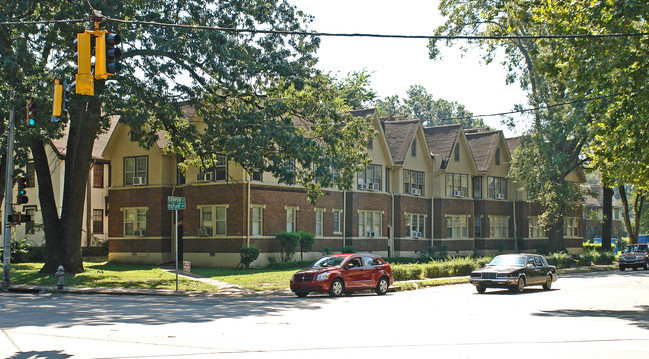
point(174, 204)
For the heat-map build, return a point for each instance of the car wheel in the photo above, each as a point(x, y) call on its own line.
point(382, 286)
point(622, 268)
point(548, 282)
point(635, 268)
point(520, 285)
point(480, 289)
point(337, 288)
point(301, 294)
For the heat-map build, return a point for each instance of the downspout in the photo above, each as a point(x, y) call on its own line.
point(514, 215)
point(432, 213)
point(344, 218)
point(391, 238)
point(89, 204)
point(248, 211)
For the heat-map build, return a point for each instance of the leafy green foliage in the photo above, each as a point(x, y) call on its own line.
point(288, 243)
point(248, 255)
point(307, 240)
point(419, 104)
point(349, 249)
point(18, 250)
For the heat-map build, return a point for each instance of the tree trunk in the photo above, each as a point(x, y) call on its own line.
point(607, 226)
point(631, 231)
point(63, 235)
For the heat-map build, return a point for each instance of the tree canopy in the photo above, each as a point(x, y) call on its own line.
point(420, 104)
point(260, 100)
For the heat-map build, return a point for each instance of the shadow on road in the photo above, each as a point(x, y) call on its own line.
point(65, 311)
point(52, 354)
point(639, 318)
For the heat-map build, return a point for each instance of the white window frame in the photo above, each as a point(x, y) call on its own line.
point(136, 217)
point(498, 226)
point(370, 222)
point(291, 219)
point(457, 182)
point(458, 226)
point(570, 227)
point(218, 218)
point(319, 221)
point(372, 174)
point(415, 222)
point(413, 179)
point(495, 186)
point(257, 220)
point(536, 230)
point(337, 223)
point(140, 169)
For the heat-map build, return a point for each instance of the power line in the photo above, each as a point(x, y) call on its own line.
point(335, 34)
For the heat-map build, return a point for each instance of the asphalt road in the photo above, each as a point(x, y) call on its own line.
point(595, 315)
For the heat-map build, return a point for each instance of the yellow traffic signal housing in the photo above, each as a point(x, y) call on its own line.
point(84, 81)
point(106, 54)
point(59, 103)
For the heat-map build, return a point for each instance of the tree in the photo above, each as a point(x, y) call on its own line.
point(307, 240)
point(419, 104)
point(552, 149)
point(260, 99)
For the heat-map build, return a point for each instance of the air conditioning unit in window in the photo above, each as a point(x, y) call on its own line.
point(415, 191)
point(500, 196)
point(457, 193)
point(375, 186)
point(361, 186)
point(139, 232)
point(416, 234)
point(204, 232)
point(371, 234)
point(205, 177)
point(139, 180)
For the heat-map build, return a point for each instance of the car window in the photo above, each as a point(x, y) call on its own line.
point(530, 260)
point(378, 261)
point(544, 261)
point(356, 262)
point(368, 261)
point(537, 261)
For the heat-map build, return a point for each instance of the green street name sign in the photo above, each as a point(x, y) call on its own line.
point(175, 203)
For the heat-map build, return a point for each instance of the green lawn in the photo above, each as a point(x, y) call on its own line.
point(102, 274)
point(256, 279)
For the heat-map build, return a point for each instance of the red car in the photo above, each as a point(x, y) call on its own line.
point(635, 256)
point(341, 274)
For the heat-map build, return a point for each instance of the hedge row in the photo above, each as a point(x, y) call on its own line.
point(588, 258)
point(451, 267)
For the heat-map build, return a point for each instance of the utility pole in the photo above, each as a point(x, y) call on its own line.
point(9, 184)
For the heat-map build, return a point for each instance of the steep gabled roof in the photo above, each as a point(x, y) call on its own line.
point(441, 139)
point(513, 143)
point(483, 146)
point(599, 200)
point(399, 135)
point(60, 145)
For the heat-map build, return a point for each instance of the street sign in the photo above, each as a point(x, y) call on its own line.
point(174, 203)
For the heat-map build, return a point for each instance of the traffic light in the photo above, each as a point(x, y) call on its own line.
point(106, 54)
point(31, 113)
point(60, 101)
point(84, 83)
point(22, 192)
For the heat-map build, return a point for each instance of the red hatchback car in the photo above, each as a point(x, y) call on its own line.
point(341, 274)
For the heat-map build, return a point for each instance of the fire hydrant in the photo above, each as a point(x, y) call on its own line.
point(60, 274)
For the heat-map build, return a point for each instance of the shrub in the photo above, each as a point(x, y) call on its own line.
point(560, 259)
point(288, 242)
point(587, 258)
point(248, 255)
point(326, 251)
point(415, 271)
point(400, 272)
point(307, 240)
point(461, 266)
point(434, 270)
point(606, 258)
point(18, 250)
point(349, 249)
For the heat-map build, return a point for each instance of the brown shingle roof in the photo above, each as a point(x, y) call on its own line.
point(599, 200)
point(441, 139)
point(512, 144)
point(483, 145)
point(61, 144)
point(399, 135)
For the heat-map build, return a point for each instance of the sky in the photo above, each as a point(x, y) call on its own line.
point(396, 64)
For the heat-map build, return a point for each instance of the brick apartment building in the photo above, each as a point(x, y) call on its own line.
point(443, 187)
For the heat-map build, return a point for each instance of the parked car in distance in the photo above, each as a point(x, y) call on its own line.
point(341, 274)
point(515, 272)
point(634, 256)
